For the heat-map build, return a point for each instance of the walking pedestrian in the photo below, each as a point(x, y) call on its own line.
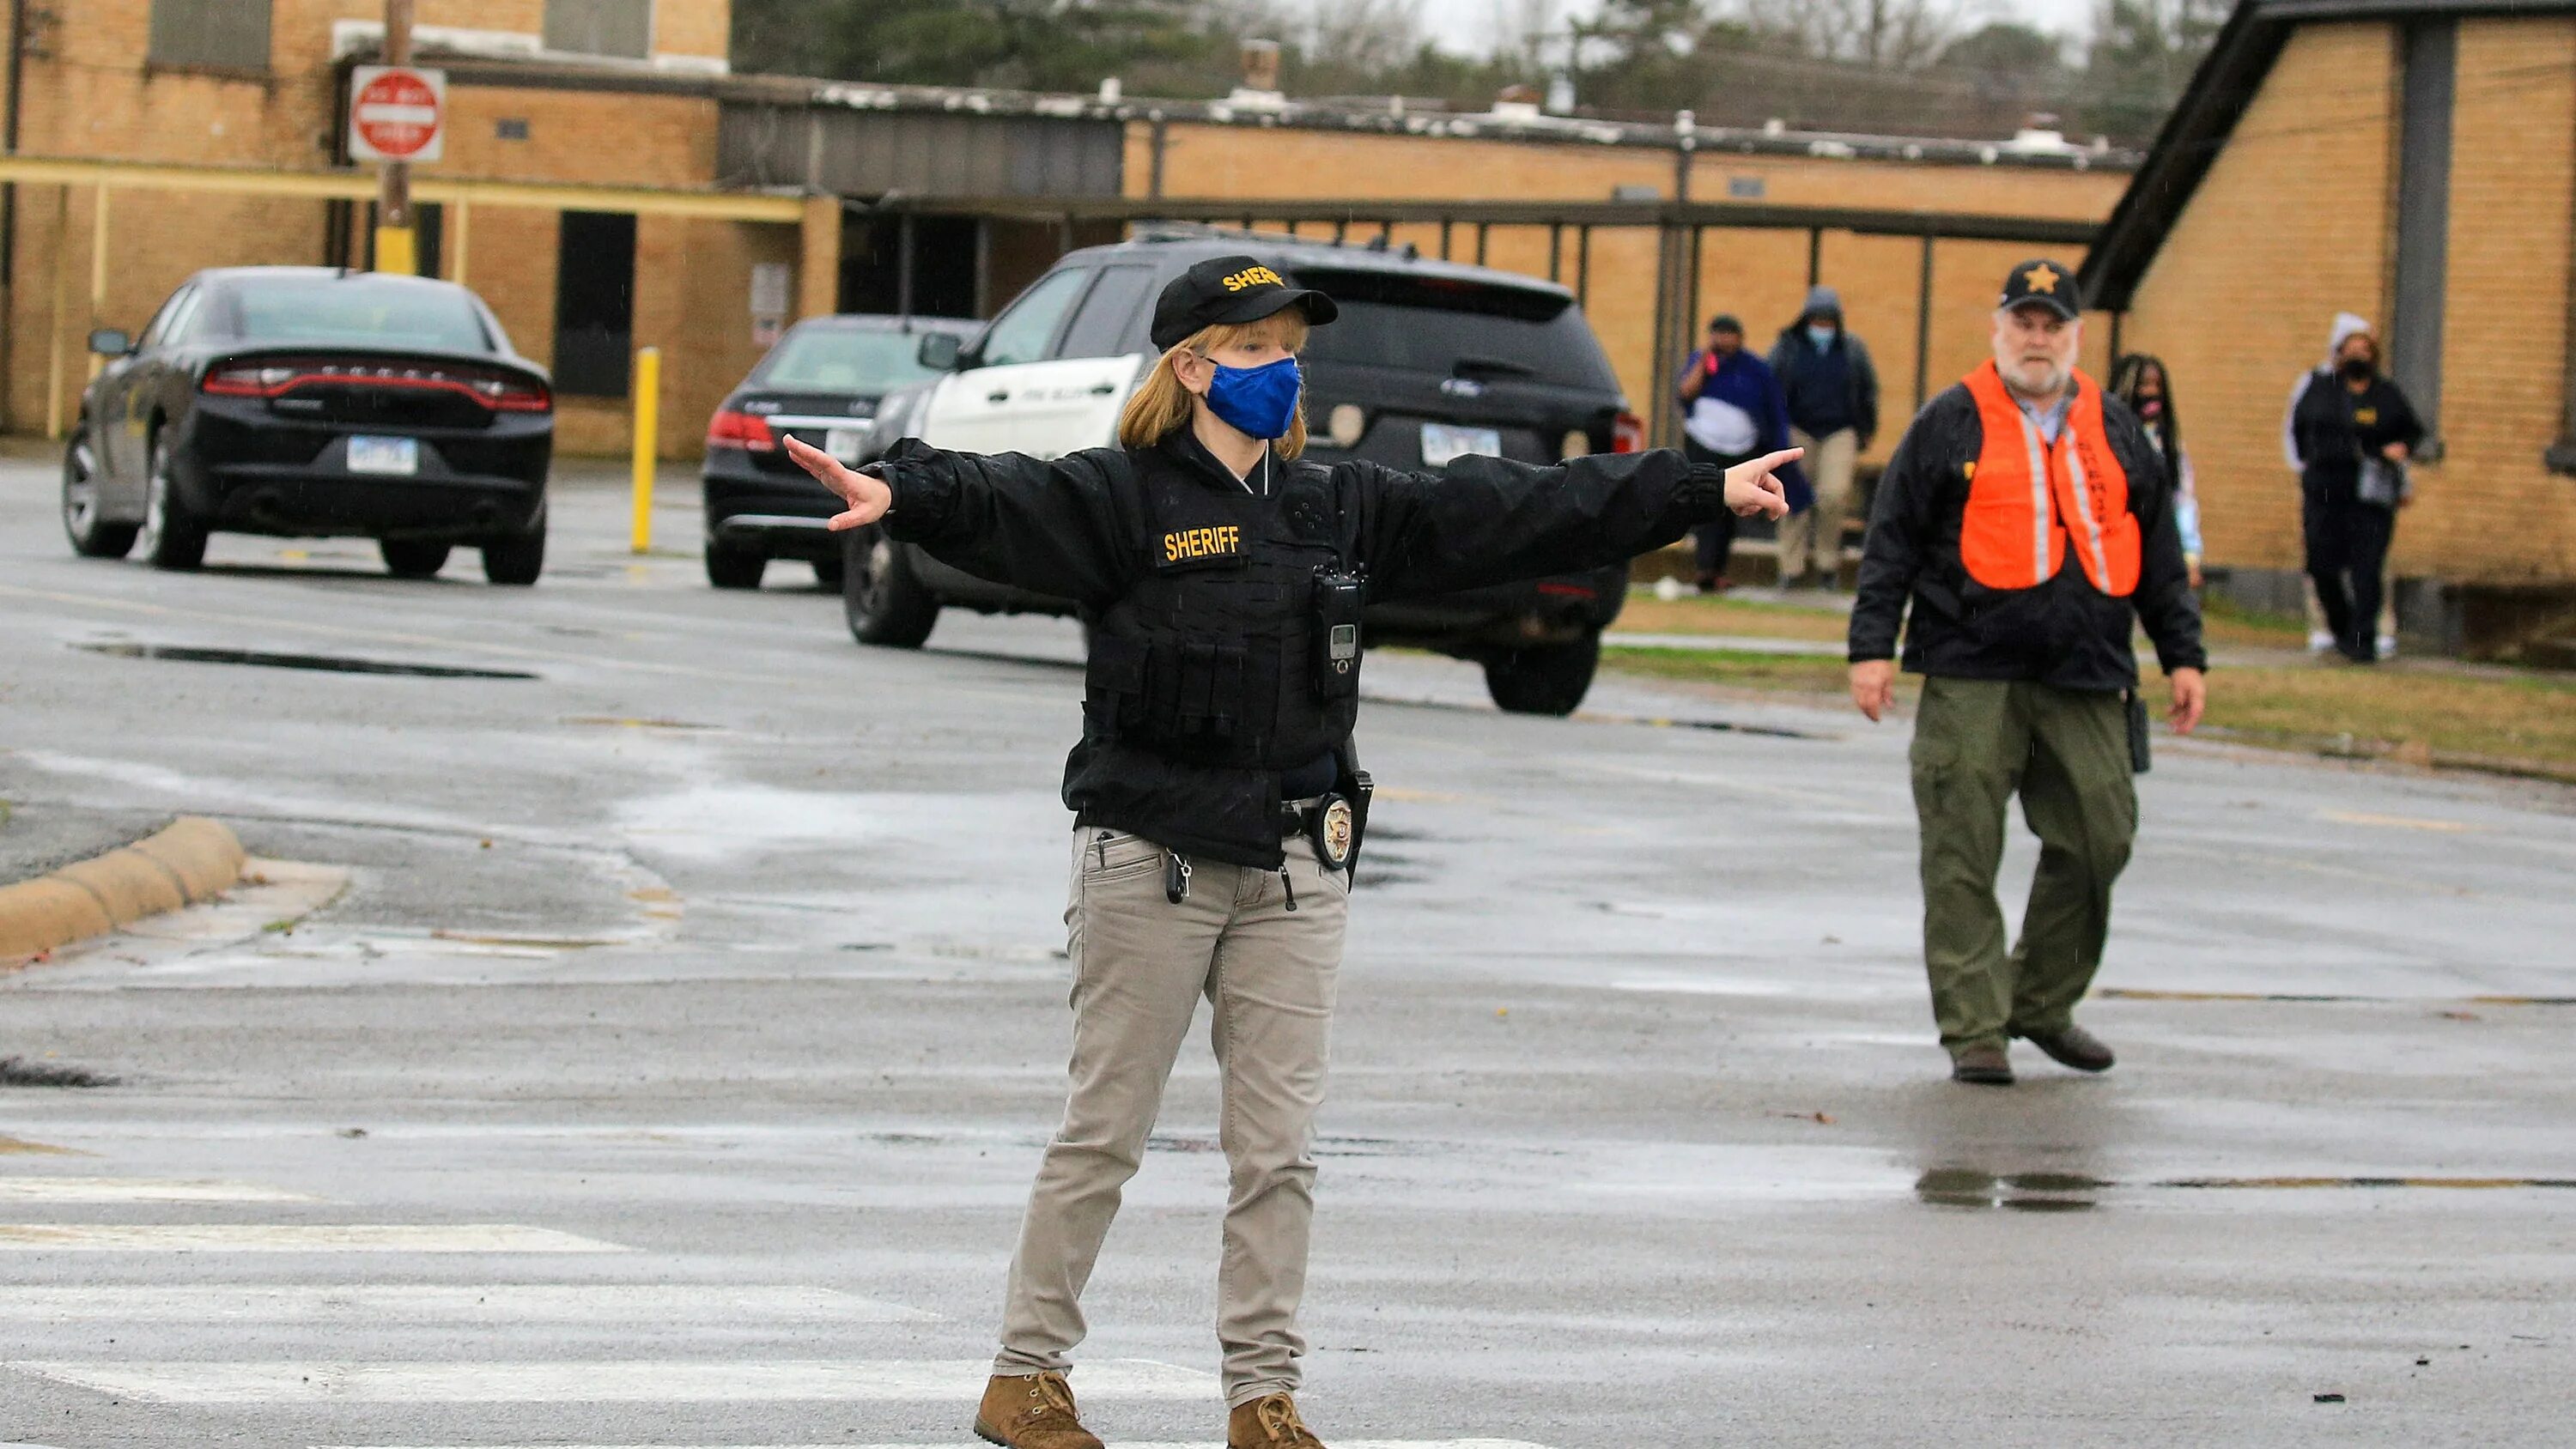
point(2028, 521)
point(2142, 382)
point(2350, 432)
point(1218, 805)
point(1732, 412)
point(1832, 392)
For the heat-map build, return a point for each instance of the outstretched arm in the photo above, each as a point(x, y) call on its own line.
point(1049, 527)
point(1486, 521)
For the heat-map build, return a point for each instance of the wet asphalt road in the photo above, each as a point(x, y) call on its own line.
point(672, 1069)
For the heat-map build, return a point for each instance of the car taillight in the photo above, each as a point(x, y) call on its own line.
point(730, 429)
point(1628, 434)
point(250, 380)
point(514, 394)
point(272, 378)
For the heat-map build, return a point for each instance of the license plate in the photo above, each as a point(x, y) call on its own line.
point(384, 455)
point(845, 443)
point(1441, 443)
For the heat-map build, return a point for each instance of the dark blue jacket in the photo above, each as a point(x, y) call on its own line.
point(1829, 390)
point(1746, 381)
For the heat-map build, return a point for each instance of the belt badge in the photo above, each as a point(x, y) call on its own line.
point(1333, 833)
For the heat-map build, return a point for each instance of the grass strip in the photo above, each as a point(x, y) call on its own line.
point(2515, 724)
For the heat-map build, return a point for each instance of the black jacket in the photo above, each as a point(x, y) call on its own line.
point(2331, 426)
point(1802, 370)
point(2064, 632)
point(1078, 528)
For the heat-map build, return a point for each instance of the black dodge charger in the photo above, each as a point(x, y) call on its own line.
point(307, 402)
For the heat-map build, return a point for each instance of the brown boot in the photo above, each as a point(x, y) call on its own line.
point(1270, 1423)
point(1984, 1066)
point(1031, 1411)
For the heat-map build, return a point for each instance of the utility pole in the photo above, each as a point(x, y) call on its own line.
point(396, 248)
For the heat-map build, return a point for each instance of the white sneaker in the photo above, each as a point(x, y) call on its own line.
point(2387, 645)
point(2319, 641)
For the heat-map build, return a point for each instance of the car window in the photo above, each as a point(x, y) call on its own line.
point(1024, 329)
point(1108, 313)
point(165, 322)
point(1457, 328)
point(355, 311)
point(183, 319)
point(843, 359)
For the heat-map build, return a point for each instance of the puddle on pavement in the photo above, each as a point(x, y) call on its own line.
point(1713, 726)
point(323, 663)
point(2130, 993)
point(20, 1072)
point(2046, 1192)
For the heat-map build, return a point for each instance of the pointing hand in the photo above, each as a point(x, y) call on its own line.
point(1750, 488)
point(865, 492)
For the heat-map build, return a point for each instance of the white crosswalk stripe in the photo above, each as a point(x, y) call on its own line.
point(375, 1306)
point(591, 1381)
point(293, 1238)
point(138, 1189)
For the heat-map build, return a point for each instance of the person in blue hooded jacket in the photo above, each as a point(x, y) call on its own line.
point(1832, 388)
point(1733, 411)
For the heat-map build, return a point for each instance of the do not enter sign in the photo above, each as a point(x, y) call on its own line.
point(397, 113)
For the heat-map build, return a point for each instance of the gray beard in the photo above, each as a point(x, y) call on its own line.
point(2061, 376)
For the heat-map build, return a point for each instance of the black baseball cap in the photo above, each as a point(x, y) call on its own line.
point(1726, 322)
point(1232, 289)
point(2044, 283)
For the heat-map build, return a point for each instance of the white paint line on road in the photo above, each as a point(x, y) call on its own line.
point(139, 1189)
point(255, 1238)
point(593, 1381)
point(383, 1305)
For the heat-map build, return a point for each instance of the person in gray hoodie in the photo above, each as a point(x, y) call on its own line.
point(1833, 413)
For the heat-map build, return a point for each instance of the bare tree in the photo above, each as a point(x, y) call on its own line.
point(1888, 34)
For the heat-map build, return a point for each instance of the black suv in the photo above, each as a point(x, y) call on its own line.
point(1429, 361)
point(819, 384)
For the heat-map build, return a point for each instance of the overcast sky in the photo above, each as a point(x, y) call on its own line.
point(1464, 25)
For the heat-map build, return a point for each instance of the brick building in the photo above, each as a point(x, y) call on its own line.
point(609, 184)
point(2412, 162)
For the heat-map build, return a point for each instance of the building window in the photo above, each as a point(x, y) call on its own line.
point(224, 34)
point(594, 303)
point(600, 27)
point(2430, 82)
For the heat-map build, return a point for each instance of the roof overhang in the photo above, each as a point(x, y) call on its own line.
point(2238, 63)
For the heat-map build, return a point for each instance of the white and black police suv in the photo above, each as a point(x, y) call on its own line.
point(1429, 361)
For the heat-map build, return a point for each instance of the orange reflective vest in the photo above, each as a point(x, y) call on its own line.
point(2027, 498)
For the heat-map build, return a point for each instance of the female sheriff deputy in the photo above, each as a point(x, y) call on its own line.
point(1213, 790)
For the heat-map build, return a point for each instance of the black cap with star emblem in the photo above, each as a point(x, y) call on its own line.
point(2044, 283)
point(1231, 289)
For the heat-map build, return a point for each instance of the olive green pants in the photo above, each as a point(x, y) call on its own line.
point(1976, 742)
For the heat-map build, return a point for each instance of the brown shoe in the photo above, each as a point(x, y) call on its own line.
point(1270, 1423)
point(1984, 1066)
point(2074, 1047)
point(1031, 1411)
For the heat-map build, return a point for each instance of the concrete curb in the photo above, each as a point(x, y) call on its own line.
point(194, 860)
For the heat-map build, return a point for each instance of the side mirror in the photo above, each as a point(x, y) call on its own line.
point(940, 351)
point(109, 342)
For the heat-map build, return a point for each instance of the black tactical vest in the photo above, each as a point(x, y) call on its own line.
point(1207, 660)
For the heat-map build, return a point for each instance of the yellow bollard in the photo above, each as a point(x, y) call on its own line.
point(648, 411)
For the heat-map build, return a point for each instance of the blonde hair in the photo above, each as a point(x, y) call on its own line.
point(1161, 406)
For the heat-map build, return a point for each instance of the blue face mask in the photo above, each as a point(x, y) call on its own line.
point(1823, 337)
point(1256, 401)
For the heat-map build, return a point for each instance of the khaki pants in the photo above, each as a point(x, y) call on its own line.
point(1976, 742)
point(1140, 965)
point(1817, 534)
